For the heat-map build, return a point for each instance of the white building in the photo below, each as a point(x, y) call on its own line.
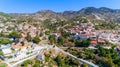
point(6, 49)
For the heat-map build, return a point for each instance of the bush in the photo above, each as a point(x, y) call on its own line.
point(5, 41)
point(82, 43)
point(14, 35)
point(36, 39)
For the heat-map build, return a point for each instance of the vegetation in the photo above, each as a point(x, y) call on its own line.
point(50, 61)
point(66, 40)
point(36, 39)
point(78, 47)
point(84, 65)
point(105, 25)
point(5, 17)
point(2, 34)
point(102, 57)
point(52, 39)
point(29, 38)
point(62, 61)
point(5, 41)
point(1, 53)
point(14, 35)
point(25, 63)
point(82, 43)
point(3, 65)
point(9, 56)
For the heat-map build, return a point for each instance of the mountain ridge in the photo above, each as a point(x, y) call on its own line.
point(101, 13)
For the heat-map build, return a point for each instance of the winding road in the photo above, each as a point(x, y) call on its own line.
point(56, 48)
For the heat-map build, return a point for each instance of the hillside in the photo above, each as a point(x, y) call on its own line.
point(4, 17)
point(92, 13)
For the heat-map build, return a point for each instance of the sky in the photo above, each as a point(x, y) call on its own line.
point(31, 6)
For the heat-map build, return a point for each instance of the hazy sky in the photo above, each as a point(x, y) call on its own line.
point(22, 6)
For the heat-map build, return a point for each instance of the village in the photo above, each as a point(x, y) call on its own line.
point(21, 49)
point(86, 30)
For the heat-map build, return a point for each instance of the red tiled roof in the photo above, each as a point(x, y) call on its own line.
point(17, 46)
point(86, 34)
point(93, 42)
point(101, 41)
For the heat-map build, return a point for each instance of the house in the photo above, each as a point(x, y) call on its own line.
point(101, 41)
point(84, 35)
point(84, 24)
point(18, 46)
point(6, 49)
point(93, 43)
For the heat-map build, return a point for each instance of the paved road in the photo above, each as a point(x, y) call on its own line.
point(9, 65)
point(27, 58)
point(24, 60)
point(72, 47)
point(107, 47)
point(58, 49)
point(20, 61)
point(84, 61)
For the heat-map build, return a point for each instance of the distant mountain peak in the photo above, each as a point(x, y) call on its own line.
point(45, 11)
point(104, 8)
point(91, 12)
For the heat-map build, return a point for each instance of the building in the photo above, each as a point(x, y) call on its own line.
point(19, 45)
point(6, 49)
point(101, 41)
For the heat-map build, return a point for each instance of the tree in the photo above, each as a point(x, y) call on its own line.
point(65, 34)
point(5, 41)
point(22, 43)
point(36, 65)
point(2, 34)
point(60, 61)
point(14, 35)
point(3, 65)
point(52, 39)
point(29, 38)
point(60, 40)
point(82, 43)
point(84, 20)
point(25, 63)
point(36, 39)
point(86, 43)
point(84, 65)
point(1, 53)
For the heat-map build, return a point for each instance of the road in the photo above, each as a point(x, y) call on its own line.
point(84, 61)
point(24, 59)
point(107, 47)
point(57, 49)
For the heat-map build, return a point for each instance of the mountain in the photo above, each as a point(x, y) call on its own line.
point(48, 14)
point(92, 13)
point(97, 13)
point(38, 16)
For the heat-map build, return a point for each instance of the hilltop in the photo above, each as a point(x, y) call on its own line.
point(92, 13)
